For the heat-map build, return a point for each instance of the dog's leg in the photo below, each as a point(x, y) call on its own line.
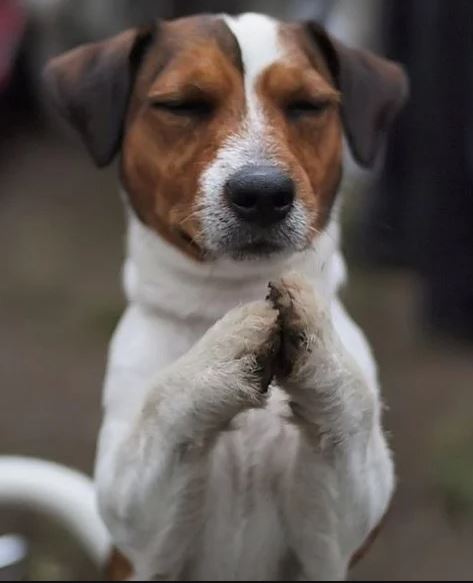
point(151, 481)
point(341, 477)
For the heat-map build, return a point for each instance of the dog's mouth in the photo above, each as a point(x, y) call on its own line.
point(251, 250)
point(244, 242)
point(238, 250)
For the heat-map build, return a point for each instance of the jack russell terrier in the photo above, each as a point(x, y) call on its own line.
point(242, 434)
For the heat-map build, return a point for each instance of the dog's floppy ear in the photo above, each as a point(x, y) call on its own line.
point(373, 89)
point(91, 86)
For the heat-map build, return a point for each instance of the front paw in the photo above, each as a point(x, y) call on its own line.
point(245, 344)
point(304, 321)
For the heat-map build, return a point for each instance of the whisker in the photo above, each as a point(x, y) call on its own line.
point(188, 217)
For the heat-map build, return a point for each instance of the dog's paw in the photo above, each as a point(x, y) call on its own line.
point(303, 319)
point(245, 342)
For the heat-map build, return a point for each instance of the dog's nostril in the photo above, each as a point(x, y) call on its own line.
point(245, 200)
point(260, 194)
point(282, 200)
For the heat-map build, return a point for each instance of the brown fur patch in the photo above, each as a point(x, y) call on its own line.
point(164, 155)
point(365, 547)
point(118, 567)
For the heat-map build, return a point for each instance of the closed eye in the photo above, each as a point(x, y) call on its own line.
point(195, 108)
point(303, 107)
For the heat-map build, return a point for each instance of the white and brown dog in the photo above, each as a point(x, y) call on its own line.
point(242, 437)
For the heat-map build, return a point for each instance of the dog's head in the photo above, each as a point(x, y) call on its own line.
point(230, 129)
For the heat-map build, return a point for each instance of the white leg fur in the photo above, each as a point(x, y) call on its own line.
point(342, 461)
point(329, 392)
point(159, 489)
point(152, 494)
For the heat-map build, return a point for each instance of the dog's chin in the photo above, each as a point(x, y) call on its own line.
point(253, 250)
point(256, 250)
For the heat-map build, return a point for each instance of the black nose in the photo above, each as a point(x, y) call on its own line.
point(260, 194)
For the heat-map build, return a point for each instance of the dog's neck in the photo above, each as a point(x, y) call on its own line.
point(160, 277)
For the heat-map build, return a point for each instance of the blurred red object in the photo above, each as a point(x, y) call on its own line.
point(12, 26)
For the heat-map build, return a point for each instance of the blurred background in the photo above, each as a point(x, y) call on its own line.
point(408, 233)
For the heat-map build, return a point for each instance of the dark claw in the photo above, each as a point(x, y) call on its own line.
point(274, 294)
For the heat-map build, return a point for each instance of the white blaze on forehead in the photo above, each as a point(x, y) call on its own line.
point(258, 38)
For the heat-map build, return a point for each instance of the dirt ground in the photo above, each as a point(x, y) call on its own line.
point(61, 233)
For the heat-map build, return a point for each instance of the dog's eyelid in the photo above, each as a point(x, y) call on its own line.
point(303, 103)
point(189, 91)
point(195, 107)
point(329, 97)
point(163, 97)
point(316, 96)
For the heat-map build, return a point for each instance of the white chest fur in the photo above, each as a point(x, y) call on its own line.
point(173, 301)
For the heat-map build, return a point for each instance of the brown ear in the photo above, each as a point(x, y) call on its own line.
point(373, 90)
point(91, 86)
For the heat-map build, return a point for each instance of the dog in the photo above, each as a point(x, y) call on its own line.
point(242, 435)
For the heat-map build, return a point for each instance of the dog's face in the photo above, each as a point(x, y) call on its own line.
point(230, 129)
